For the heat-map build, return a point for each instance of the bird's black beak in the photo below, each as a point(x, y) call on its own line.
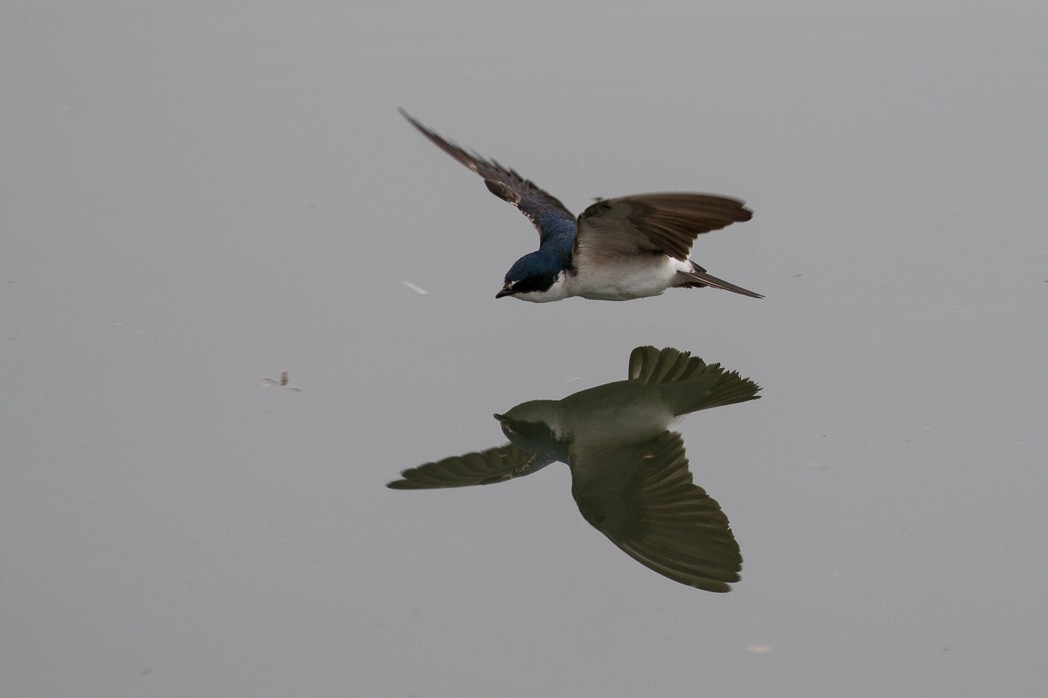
point(506, 291)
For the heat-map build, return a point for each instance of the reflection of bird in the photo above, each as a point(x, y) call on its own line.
point(618, 249)
point(629, 474)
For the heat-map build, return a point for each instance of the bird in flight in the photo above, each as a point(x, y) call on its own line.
point(618, 249)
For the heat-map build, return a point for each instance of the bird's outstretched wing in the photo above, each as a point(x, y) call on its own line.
point(542, 208)
point(666, 223)
point(644, 500)
point(481, 468)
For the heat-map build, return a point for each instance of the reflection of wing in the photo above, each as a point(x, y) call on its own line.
point(483, 468)
point(646, 503)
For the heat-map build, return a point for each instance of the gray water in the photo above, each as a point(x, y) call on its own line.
point(200, 197)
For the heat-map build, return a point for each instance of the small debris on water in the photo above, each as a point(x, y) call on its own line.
point(282, 383)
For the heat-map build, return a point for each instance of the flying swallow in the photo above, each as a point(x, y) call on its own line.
point(618, 249)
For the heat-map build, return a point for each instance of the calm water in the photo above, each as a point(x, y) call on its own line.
point(200, 198)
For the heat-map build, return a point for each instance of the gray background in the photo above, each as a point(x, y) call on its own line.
point(196, 196)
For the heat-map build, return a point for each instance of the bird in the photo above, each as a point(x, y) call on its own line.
point(618, 249)
point(629, 473)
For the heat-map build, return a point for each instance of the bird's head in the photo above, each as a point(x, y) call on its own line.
point(537, 277)
point(536, 426)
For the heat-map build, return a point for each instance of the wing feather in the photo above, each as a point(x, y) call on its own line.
point(478, 468)
point(542, 208)
point(666, 223)
point(645, 502)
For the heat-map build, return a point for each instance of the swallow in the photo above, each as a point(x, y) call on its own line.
point(618, 249)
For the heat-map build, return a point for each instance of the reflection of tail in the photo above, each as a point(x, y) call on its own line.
point(691, 383)
point(699, 277)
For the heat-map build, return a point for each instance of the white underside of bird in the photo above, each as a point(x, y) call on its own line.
point(616, 282)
